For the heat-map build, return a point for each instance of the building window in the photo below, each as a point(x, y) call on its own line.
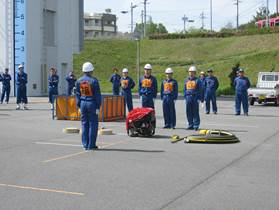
point(50, 31)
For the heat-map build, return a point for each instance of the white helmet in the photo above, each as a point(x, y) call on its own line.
point(125, 70)
point(148, 67)
point(87, 67)
point(20, 66)
point(192, 69)
point(169, 71)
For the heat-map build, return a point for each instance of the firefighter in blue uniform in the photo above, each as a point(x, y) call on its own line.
point(53, 80)
point(71, 79)
point(127, 84)
point(192, 94)
point(241, 84)
point(115, 80)
point(211, 86)
point(21, 90)
point(6, 86)
point(169, 94)
point(202, 78)
point(148, 87)
point(88, 97)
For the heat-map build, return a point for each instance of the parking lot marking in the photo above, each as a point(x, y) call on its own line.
point(65, 157)
point(83, 152)
point(41, 189)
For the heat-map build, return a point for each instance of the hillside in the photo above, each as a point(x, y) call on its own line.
point(255, 53)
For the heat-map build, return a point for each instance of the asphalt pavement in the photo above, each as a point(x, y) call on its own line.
point(43, 168)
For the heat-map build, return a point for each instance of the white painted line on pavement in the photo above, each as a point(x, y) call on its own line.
point(41, 189)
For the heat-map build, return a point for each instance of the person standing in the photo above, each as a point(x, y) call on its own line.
point(241, 84)
point(211, 86)
point(53, 80)
point(192, 94)
point(88, 98)
point(127, 84)
point(148, 87)
point(169, 94)
point(71, 79)
point(115, 80)
point(21, 90)
point(202, 78)
point(6, 86)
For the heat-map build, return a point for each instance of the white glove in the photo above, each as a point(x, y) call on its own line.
point(202, 104)
point(97, 111)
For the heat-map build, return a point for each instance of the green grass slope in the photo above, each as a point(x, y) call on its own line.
point(255, 53)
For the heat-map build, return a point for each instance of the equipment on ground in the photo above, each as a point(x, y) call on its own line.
point(141, 122)
point(208, 136)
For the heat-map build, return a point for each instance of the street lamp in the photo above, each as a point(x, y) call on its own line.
point(138, 57)
point(186, 19)
point(132, 16)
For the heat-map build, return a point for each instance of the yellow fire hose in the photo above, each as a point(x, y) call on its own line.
point(208, 136)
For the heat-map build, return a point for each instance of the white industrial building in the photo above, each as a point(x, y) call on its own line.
point(40, 34)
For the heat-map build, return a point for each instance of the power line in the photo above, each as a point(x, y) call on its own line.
point(211, 16)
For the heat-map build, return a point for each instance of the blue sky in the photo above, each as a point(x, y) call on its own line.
point(170, 13)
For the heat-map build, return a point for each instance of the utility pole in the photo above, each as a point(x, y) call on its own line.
point(277, 11)
point(237, 13)
point(202, 16)
point(144, 30)
point(211, 16)
point(267, 13)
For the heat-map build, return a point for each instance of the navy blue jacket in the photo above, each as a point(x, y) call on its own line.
point(127, 84)
point(169, 88)
point(6, 80)
point(193, 87)
point(241, 84)
point(211, 84)
point(21, 79)
point(71, 81)
point(148, 86)
point(88, 89)
point(53, 81)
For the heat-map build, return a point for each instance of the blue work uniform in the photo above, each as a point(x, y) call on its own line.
point(203, 89)
point(115, 80)
point(53, 81)
point(211, 86)
point(6, 87)
point(241, 84)
point(88, 98)
point(192, 94)
point(127, 84)
point(21, 91)
point(169, 94)
point(148, 91)
point(71, 79)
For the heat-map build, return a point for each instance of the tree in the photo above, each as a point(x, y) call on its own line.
point(151, 28)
